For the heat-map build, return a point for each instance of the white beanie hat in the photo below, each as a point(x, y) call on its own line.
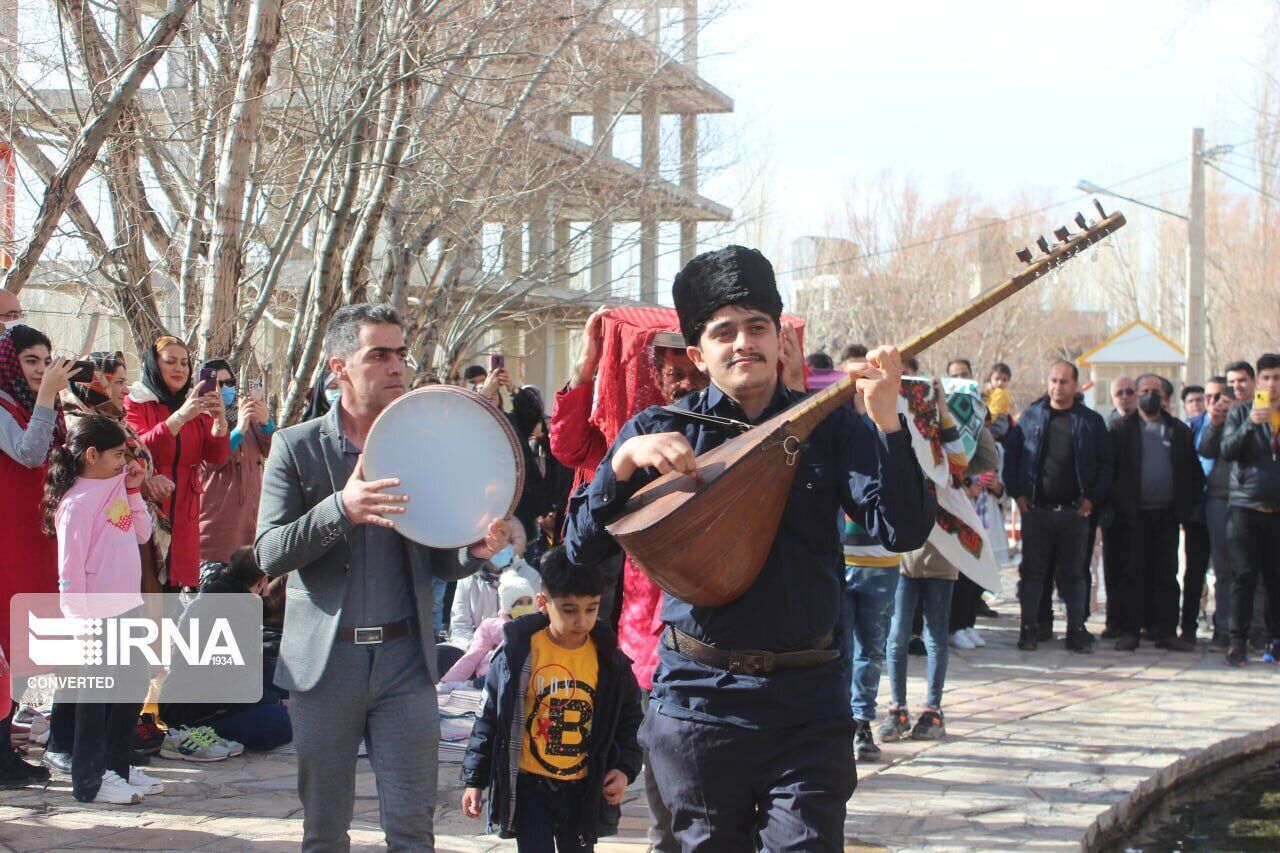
point(512, 588)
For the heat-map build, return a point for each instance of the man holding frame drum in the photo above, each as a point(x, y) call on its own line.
point(358, 653)
point(749, 729)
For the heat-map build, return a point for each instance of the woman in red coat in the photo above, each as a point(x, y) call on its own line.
point(31, 425)
point(182, 431)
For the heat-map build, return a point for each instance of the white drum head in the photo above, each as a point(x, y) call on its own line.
point(458, 459)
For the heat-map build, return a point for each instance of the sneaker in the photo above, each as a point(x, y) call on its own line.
point(117, 791)
point(233, 747)
point(60, 761)
point(17, 773)
point(916, 646)
point(864, 744)
point(1110, 633)
point(185, 744)
point(148, 737)
point(976, 638)
point(1219, 643)
point(896, 726)
point(1237, 656)
point(147, 783)
point(929, 727)
point(1079, 640)
point(984, 611)
point(1175, 644)
point(1127, 643)
point(1044, 632)
point(960, 640)
point(1027, 640)
point(1272, 654)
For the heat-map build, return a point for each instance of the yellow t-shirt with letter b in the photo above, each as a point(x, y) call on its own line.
point(558, 707)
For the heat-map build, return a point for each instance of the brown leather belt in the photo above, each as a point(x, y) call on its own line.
point(375, 634)
point(751, 662)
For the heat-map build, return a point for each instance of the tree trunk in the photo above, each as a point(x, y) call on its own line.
point(218, 312)
point(61, 189)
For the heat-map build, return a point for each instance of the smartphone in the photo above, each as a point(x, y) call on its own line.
point(255, 388)
point(497, 361)
point(81, 371)
point(206, 381)
point(1262, 400)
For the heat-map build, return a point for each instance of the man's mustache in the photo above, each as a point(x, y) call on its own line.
point(737, 358)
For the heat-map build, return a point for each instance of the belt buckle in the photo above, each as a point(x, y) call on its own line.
point(368, 636)
point(744, 664)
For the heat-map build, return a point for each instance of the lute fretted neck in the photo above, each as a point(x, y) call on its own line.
point(803, 417)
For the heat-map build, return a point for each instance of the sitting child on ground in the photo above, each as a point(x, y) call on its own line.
point(515, 599)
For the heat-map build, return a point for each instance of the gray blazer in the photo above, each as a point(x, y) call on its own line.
point(302, 531)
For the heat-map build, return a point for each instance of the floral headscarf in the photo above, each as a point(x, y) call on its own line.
point(14, 382)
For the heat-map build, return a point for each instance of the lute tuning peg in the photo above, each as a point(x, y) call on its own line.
point(1062, 234)
point(1043, 244)
point(1080, 220)
point(1024, 255)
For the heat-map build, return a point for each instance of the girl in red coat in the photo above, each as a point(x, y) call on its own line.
point(30, 426)
point(182, 431)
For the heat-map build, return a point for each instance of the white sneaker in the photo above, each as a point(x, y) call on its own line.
point(975, 637)
point(192, 745)
point(145, 782)
point(960, 640)
point(117, 791)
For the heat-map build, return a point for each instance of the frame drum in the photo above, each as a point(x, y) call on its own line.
point(458, 459)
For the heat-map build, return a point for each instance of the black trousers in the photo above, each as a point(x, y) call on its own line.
point(103, 736)
point(964, 604)
point(732, 789)
point(548, 815)
point(1149, 579)
point(1196, 545)
point(1255, 548)
point(1053, 542)
point(1113, 560)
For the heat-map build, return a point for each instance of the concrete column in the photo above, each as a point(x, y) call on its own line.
point(602, 259)
point(649, 259)
point(690, 21)
point(688, 180)
point(512, 250)
point(561, 249)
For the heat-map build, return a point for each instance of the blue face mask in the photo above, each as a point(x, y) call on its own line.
point(502, 559)
point(228, 396)
point(333, 395)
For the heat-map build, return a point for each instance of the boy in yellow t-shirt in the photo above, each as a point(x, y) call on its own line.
point(556, 733)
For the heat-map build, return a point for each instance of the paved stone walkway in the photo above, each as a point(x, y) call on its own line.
point(1039, 745)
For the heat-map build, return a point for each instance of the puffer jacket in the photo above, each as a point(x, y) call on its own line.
point(1255, 474)
point(493, 752)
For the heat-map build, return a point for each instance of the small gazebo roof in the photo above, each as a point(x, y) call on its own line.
point(1136, 343)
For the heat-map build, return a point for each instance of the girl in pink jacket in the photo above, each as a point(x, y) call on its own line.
point(515, 598)
point(93, 506)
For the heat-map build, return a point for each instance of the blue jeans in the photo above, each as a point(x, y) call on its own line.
point(438, 589)
point(935, 594)
point(259, 727)
point(868, 608)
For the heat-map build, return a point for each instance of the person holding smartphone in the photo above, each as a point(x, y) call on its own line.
point(184, 425)
point(229, 505)
point(31, 425)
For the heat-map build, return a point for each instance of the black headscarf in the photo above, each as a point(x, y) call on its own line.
point(153, 380)
point(318, 405)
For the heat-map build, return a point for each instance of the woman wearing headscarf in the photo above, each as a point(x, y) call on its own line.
point(232, 488)
point(323, 394)
point(183, 431)
point(30, 426)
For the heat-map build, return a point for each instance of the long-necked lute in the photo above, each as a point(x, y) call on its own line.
point(705, 540)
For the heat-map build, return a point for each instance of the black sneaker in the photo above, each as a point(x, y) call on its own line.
point(1027, 640)
point(1127, 643)
point(1080, 641)
point(17, 773)
point(916, 646)
point(896, 725)
point(1237, 656)
point(864, 743)
point(929, 727)
point(984, 611)
point(1110, 633)
point(1175, 644)
point(1044, 632)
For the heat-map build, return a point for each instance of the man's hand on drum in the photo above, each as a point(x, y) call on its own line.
point(665, 451)
point(494, 541)
point(368, 502)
